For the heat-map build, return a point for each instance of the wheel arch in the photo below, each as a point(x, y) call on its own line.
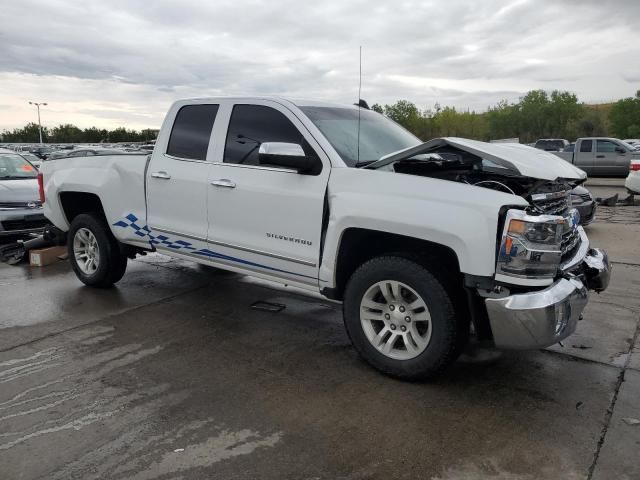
point(74, 203)
point(358, 245)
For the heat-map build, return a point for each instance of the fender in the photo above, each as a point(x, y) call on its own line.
point(117, 180)
point(461, 217)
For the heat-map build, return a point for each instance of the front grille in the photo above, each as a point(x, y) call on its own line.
point(556, 203)
point(570, 244)
point(559, 203)
point(24, 224)
point(16, 205)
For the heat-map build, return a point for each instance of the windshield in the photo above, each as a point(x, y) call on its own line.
point(13, 166)
point(379, 136)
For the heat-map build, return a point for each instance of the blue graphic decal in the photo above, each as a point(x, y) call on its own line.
point(162, 240)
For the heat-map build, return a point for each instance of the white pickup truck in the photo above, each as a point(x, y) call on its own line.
point(420, 241)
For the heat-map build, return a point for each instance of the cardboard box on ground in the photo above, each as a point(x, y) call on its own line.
point(46, 256)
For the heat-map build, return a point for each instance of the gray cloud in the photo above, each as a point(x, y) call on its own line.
point(462, 52)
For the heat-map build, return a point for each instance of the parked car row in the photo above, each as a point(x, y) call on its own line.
point(39, 153)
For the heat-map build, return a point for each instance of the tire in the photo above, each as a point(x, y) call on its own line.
point(432, 331)
point(90, 235)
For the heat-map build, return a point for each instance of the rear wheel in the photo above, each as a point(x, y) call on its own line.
point(94, 252)
point(401, 318)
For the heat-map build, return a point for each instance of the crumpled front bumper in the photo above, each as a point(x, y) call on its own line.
point(545, 317)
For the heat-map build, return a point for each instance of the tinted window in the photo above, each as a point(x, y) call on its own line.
point(586, 146)
point(606, 146)
point(191, 131)
point(252, 125)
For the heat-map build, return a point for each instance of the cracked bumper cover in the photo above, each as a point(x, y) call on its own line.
point(545, 317)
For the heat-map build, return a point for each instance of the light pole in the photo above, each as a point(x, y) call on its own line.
point(39, 125)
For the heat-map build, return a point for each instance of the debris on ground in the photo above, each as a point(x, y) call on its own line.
point(609, 201)
point(12, 253)
point(631, 421)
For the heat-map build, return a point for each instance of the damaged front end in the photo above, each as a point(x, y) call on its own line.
point(545, 265)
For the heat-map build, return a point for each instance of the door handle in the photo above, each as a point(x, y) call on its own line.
point(599, 156)
point(161, 174)
point(223, 182)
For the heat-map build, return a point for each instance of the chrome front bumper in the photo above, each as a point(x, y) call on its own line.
point(544, 317)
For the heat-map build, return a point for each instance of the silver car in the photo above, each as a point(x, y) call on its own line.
point(20, 208)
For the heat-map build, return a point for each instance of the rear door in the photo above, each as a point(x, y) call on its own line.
point(177, 175)
point(266, 219)
point(583, 155)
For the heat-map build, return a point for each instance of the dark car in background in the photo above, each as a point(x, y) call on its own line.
point(551, 144)
point(41, 152)
point(582, 200)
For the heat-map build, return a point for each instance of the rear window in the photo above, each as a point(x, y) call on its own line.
point(586, 146)
point(13, 166)
point(191, 131)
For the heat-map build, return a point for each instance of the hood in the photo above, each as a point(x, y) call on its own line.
point(520, 159)
point(19, 190)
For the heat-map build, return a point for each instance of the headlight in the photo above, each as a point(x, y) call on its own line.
point(530, 246)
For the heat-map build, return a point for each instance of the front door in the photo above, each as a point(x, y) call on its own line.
point(263, 218)
point(608, 160)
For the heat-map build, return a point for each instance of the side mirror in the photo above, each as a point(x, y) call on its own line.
point(287, 155)
point(621, 150)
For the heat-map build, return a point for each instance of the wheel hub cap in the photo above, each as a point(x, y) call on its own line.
point(86, 251)
point(395, 320)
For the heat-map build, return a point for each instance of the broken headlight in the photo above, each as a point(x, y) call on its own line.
point(531, 246)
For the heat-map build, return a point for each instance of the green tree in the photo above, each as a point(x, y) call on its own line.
point(625, 116)
point(503, 121)
point(66, 133)
point(405, 113)
point(28, 134)
point(591, 124)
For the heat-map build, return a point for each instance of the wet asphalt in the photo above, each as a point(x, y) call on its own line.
point(173, 374)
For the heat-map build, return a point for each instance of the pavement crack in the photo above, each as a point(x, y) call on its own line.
point(612, 404)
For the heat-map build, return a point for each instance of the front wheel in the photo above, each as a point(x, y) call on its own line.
point(94, 252)
point(401, 318)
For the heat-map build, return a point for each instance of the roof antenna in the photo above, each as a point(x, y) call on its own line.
point(359, 104)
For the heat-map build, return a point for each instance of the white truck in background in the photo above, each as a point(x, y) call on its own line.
point(600, 156)
point(418, 240)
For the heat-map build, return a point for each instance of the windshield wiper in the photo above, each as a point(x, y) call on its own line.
point(11, 177)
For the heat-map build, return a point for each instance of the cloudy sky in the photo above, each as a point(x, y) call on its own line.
point(122, 62)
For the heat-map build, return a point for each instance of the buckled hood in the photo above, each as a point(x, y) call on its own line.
point(520, 159)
